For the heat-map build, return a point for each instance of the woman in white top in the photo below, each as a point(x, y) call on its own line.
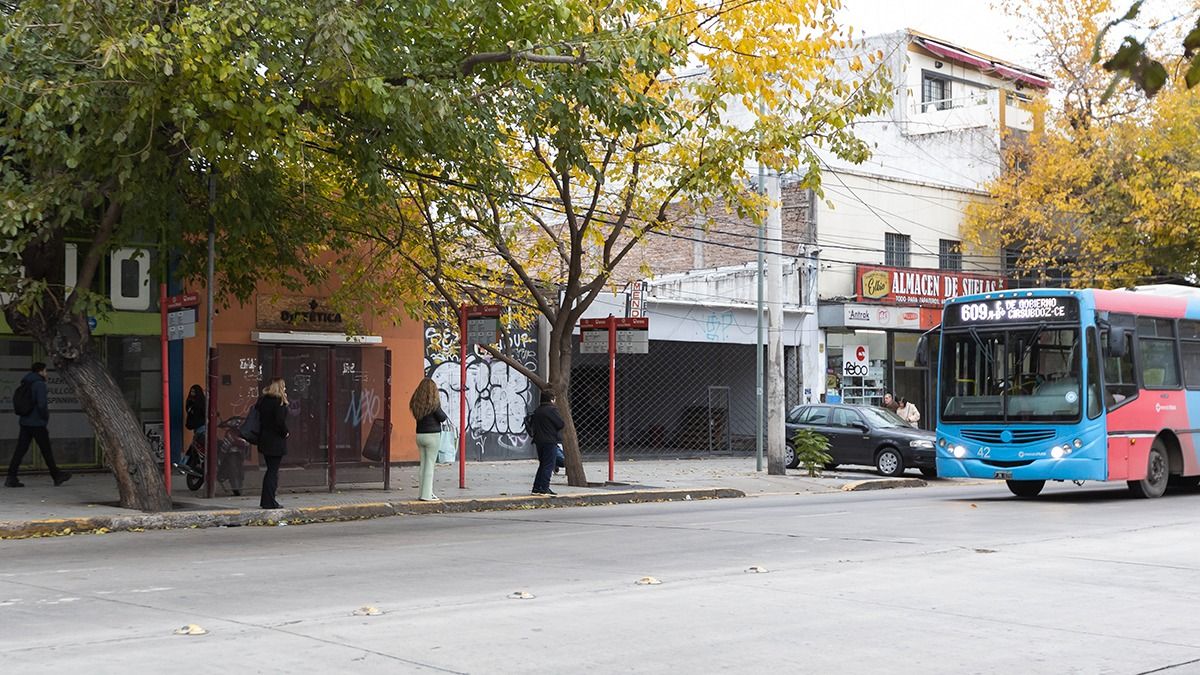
point(908, 412)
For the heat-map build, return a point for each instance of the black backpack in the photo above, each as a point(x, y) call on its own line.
point(23, 403)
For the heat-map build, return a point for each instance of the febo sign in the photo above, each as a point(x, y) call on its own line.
point(906, 286)
point(855, 360)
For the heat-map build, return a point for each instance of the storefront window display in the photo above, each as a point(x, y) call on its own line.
point(858, 376)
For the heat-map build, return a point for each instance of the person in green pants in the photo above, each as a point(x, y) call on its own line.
point(426, 407)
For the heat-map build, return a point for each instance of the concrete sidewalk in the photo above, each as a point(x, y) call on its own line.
point(87, 503)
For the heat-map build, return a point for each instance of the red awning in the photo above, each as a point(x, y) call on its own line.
point(952, 54)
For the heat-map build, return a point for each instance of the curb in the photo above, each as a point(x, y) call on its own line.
point(138, 522)
point(883, 484)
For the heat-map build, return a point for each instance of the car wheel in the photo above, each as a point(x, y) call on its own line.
point(1026, 489)
point(789, 456)
point(889, 462)
point(929, 471)
point(1157, 474)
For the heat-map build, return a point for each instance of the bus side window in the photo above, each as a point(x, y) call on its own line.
point(1094, 385)
point(1120, 385)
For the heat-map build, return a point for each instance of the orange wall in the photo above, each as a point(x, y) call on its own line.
point(406, 340)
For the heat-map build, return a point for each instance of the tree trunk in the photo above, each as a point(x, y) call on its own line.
point(126, 449)
point(560, 381)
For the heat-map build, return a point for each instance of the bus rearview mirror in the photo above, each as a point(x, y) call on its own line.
point(1115, 344)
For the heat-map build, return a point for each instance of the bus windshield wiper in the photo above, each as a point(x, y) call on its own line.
point(1037, 333)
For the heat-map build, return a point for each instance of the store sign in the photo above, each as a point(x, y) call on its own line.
point(856, 361)
point(877, 316)
point(297, 313)
point(920, 287)
point(1015, 310)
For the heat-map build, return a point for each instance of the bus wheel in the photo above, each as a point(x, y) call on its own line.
point(1157, 474)
point(1026, 489)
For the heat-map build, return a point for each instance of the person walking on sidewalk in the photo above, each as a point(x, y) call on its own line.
point(272, 438)
point(32, 403)
point(545, 426)
point(426, 407)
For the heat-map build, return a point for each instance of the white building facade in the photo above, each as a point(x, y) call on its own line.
point(889, 230)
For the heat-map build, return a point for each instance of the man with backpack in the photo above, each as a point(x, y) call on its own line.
point(32, 404)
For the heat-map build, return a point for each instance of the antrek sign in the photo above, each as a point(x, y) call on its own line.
point(906, 286)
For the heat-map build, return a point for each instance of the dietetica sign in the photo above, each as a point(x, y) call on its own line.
point(1015, 310)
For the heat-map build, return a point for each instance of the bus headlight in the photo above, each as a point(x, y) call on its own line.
point(920, 444)
point(960, 451)
point(1058, 451)
point(942, 442)
point(1077, 443)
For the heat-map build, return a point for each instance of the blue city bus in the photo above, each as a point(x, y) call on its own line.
point(1039, 385)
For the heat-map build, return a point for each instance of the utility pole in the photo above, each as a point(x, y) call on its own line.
point(211, 276)
point(775, 381)
point(758, 341)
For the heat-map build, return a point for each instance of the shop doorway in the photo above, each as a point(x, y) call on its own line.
point(336, 396)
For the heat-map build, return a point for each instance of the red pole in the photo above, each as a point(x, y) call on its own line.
point(612, 394)
point(332, 454)
point(210, 438)
point(387, 419)
point(462, 397)
point(166, 389)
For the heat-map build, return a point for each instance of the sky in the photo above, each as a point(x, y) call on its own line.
point(970, 23)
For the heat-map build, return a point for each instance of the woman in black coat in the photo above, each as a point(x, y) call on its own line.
point(272, 439)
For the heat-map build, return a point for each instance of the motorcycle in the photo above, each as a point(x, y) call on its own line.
point(232, 451)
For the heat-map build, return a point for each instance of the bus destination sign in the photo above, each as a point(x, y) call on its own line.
point(1015, 310)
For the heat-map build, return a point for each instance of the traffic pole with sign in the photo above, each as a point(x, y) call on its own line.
point(462, 397)
point(477, 324)
point(612, 394)
point(166, 389)
point(614, 336)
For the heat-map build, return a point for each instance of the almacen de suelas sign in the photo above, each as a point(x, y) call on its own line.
point(906, 286)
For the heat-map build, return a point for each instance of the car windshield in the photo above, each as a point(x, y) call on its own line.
point(1025, 374)
point(883, 418)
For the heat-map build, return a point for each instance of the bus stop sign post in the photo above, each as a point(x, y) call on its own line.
point(614, 335)
point(477, 324)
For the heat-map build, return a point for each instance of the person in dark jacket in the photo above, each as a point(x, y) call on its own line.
point(545, 426)
point(33, 428)
point(426, 407)
point(272, 439)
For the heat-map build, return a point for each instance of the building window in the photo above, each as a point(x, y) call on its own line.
point(897, 250)
point(950, 254)
point(935, 93)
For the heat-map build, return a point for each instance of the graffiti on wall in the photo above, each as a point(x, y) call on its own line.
point(498, 397)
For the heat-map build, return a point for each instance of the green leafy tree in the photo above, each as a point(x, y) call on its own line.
point(1136, 61)
point(114, 114)
point(618, 123)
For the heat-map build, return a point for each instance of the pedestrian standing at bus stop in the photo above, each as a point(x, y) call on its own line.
point(426, 408)
point(545, 426)
point(272, 439)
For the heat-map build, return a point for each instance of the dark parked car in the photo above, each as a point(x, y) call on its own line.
point(860, 434)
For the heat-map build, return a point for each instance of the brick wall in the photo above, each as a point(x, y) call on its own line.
point(715, 239)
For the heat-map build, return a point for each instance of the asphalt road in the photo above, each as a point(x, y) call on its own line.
point(960, 579)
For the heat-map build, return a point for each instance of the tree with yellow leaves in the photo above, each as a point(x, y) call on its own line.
point(621, 121)
point(1105, 197)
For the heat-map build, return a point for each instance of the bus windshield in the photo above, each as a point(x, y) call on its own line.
point(1029, 374)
